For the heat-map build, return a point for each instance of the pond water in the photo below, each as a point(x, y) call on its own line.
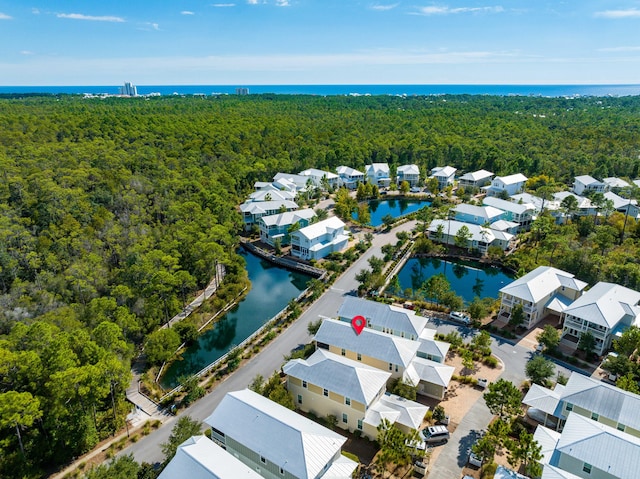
point(394, 207)
point(467, 279)
point(272, 287)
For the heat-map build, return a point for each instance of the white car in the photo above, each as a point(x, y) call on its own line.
point(475, 460)
point(460, 317)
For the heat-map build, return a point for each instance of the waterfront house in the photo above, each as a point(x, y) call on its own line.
point(543, 291)
point(477, 215)
point(200, 458)
point(277, 227)
point(252, 211)
point(275, 441)
point(506, 185)
point(444, 174)
point(378, 174)
point(408, 173)
point(605, 311)
point(481, 238)
point(475, 179)
point(349, 177)
point(383, 317)
point(615, 184)
point(319, 239)
point(585, 184)
point(321, 178)
point(521, 213)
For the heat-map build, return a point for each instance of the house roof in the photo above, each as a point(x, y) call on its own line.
point(512, 179)
point(604, 399)
point(443, 171)
point(583, 202)
point(548, 440)
point(536, 201)
point(257, 207)
point(503, 225)
point(553, 472)
point(409, 169)
point(299, 180)
point(510, 206)
point(383, 315)
point(343, 376)
point(348, 171)
point(606, 304)
point(476, 175)
point(375, 167)
point(614, 452)
point(396, 409)
point(540, 282)
point(321, 228)
point(544, 399)
point(618, 201)
point(432, 372)
point(289, 217)
point(275, 195)
point(318, 173)
point(200, 458)
point(504, 473)
point(375, 344)
point(433, 347)
point(614, 182)
point(452, 227)
point(341, 468)
point(488, 213)
point(587, 180)
point(303, 448)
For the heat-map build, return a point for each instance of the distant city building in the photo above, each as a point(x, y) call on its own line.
point(242, 91)
point(128, 89)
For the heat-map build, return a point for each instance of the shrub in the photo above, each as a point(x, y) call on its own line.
point(490, 361)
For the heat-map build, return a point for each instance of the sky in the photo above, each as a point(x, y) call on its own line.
point(295, 42)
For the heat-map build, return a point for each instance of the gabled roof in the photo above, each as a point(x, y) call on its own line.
point(383, 315)
point(548, 440)
point(409, 169)
point(200, 458)
point(443, 171)
point(540, 282)
point(510, 206)
point(275, 195)
point(512, 179)
point(422, 369)
point(553, 472)
point(289, 217)
point(451, 227)
point(613, 182)
point(604, 447)
point(343, 376)
point(606, 304)
point(604, 399)
point(618, 201)
point(504, 473)
point(396, 409)
point(321, 228)
point(341, 468)
point(536, 201)
point(348, 171)
point(503, 225)
point(298, 180)
point(433, 347)
point(303, 447)
point(375, 344)
point(318, 173)
point(544, 399)
point(257, 207)
point(488, 213)
point(476, 175)
point(587, 180)
point(373, 168)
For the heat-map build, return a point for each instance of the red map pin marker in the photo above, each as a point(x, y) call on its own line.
point(358, 323)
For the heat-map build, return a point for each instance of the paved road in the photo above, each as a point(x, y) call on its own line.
point(271, 358)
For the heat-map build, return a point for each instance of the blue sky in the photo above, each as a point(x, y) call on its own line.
point(231, 42)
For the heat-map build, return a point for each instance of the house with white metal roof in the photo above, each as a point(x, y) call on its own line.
point(445, 231)
point(430, 348)
point(292, 182)
point(252, 211)
point(431, 377)
point(585, 207)
point(588, 184)
point(246, 423)
point(378, 174)
point(521, 213)
point(272, 195)
point(276, 227)
point(319, 239)
point(606, 310)
point(200, 458)
point(506, 185)
point(321, 177)
point(615, 184)
point(505, 473)
point(444, 174)
point(349, 177)
point(408, 173)
point(407, 415)
point(545, 290)
point(475, 179)
point(505, 226)
point(538, 203)
point(590, 449)
point(383, 317)
point(477, 215)
point(552, 472)
point(624, 205)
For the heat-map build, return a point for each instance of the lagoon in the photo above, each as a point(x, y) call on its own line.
point(272, 287)
point(394, 207)
point(468, 279)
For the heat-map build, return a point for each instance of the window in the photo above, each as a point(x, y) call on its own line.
point(263, 460)
point(325, 392)
point(359, 357)
point(343, 352)
point(620, 427)
point(595, 416)
point(586, 468)
point(299, 398)
point(360, 424)
point(344, 418)
point(390, 367)
point(569, 407)
point(347, 401)
point(396, 368)
point(304, 384)
point(281, 472)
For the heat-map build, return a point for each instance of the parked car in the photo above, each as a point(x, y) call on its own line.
point(420, 468)
point(539, 348)
point(435, 434)
point(416, 444)
point(460, 317)
point(415, 189)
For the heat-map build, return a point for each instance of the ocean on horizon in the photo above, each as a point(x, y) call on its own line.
point(340, 90)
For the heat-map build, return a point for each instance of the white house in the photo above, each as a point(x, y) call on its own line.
point(275, 441)
point(378, 174)
point(475, 179)
point(269, 194)
point(614, 184)
point(587, 184)
point(538, 203)
point(506, 185)
point(292, 182)
point(430, 348)
point(521, 213)
point(545, 290)
point(477, 215)
point(605, 311)
point(200, 458)
point(408, 173)
point(624, 205)
point(319, 239)
point(585, 207)
point(320, 177)
point(481, 238)
point(276, 227)
point(349, 177)
point(252, 211)
point(444, 174)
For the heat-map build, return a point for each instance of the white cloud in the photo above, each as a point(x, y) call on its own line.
point(384, 8)
point(282, 3)
point(80, 16)
point(4, 16)
point(148, 26)
point(435, 10)
point(26, 52)
point(223, 5)
point(35, 11)
point(186, 12)
point(252, 2)
point(630, 13)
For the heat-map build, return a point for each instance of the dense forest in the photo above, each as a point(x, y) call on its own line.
point(114, 211)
